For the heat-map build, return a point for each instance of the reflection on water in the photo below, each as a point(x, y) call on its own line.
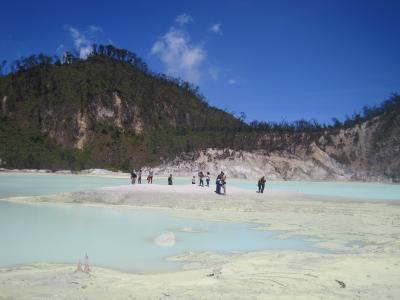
point(125, 240)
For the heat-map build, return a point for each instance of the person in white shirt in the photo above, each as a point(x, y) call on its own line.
point(208, 179)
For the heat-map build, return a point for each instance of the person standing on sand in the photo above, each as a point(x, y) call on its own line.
point(208, 178)
point(201, 181)
point(170, 179)
point(150, 177)
point(133, 177)
point(218, 184)
point(194, 180)
point(261, 185)
point(139, 181)
point(223, 182)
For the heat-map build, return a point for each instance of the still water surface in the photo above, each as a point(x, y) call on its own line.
point(124, 240)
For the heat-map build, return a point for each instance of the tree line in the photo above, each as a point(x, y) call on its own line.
point(24, 64)
point(98, 50)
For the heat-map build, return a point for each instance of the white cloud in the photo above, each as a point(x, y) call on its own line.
point(216, 28)
point(82, 44)
point(83, 40)
point(180, 56)
point(183, 19)
point(232, 81)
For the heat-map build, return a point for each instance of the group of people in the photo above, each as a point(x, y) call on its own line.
point(201, 179)
point(220, 181)
point(138, 177)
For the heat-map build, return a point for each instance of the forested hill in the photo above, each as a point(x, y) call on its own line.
point(108, 105)
point(110, 111)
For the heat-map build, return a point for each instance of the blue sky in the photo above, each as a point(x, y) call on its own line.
point(271, 59)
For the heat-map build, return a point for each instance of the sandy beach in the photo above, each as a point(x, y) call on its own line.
point(359, 257)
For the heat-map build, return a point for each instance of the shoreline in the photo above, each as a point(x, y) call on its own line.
point(119, 174)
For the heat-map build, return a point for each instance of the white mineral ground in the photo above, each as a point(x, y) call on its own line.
point(361, 239)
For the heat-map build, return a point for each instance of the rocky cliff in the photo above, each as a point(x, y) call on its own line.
point(369, 151)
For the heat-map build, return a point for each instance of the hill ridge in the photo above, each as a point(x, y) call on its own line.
point(110, 111)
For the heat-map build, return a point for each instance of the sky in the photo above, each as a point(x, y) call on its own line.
point(273, 60)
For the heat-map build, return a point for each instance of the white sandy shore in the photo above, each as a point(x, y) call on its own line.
point(362, 238)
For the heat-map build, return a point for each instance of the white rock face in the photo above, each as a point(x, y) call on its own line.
point(100, 172)
point(281, 165)
point(63, 172)
point(82, 125)
point(166, 239)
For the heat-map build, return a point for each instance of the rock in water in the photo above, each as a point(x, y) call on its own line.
point(166, 239)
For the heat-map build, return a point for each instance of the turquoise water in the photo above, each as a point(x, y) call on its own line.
point(119, 239)
point(63, 233)
point(12, 185)
point(38, 184)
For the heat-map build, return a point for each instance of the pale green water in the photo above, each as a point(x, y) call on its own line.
point(35, 184)
point(125, 239)
point(119, 239)
point(12, 185)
